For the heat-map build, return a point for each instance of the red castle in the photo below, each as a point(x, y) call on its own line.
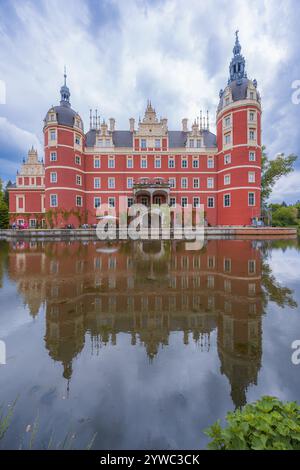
point(147, 163)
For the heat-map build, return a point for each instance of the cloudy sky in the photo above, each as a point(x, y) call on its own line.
point(119, 53)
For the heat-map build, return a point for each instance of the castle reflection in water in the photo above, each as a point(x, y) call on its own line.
point(92, 292)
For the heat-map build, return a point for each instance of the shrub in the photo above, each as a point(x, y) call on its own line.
point(267, 424)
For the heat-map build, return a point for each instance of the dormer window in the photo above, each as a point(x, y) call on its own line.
point(198, 143)
point(192, 143)
point(227, 100)
point(157, 143)
point(143, 143)
point(251, 95)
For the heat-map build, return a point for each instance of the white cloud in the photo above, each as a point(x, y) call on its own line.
point(287, 188)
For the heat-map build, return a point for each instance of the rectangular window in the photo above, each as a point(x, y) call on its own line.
point(78, 180)
point(184, 183)
point(143, 162)
point(53, 157)
point(130, 183)
point(111, 162)
point(251, 266)
point(77, 160)
point(79, 201)
point(227, 139)
point(97, 183)
point(227, 179)
point(184, 202)
point(196, 183)
point(111, 183)
point(210, 201)
point(53, 200)
point(53, 177)
point(191, 143)
point(251, 199)
point(251, 95)
point(226, 199)
point(227, 121)
point(77, 139)
point(195, 162)
point(184, 162)
point(172, 201)
point(198, 143)
point(252, 156)
point(227, 159)
point(252, 134)
point(129, 201)
point(172, 182)
point(111, 202)
point(97, 202)
point(227, 265)
point(143, 143)
point(210, 162)
point(157, 162)
point(251, 177)
point(252, 116)
point(196, 201)
point(130, 162)
point(171, 162)
point(157, 143)
point(32, 223)
point(210, 183)
point(52, 135)
point(96, 162)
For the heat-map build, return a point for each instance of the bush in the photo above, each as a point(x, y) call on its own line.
point(4, 215)
point(267, 424)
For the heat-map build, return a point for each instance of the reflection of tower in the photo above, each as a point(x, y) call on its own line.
point(239, 322)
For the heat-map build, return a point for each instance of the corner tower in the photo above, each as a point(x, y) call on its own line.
point(64, 163)
point(239, 146)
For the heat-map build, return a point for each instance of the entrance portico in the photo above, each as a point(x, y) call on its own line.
point(151, 191)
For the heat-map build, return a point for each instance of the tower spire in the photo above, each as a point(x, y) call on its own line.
point(237, 65)
point(65, 92)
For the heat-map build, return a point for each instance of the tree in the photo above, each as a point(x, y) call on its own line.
point(6, 194)
point(4, 216)
point(284, 216)
point(273, 170)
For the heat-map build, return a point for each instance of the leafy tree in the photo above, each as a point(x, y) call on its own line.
point(285, 216)
point(267, 424)
point(4, 216)
point(273, 170)
point(6, 195)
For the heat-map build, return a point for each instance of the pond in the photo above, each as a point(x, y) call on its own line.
point(143, 345)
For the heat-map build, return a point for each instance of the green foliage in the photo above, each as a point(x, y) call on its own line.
point(272, 170)
point(4, 216)
point(267, 424)
point(285, 216)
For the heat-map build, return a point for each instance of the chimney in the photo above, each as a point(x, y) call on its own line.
point(112, 123)
point(131, 124)
point(184, 125)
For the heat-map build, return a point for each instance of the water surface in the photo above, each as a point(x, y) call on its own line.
point(143, 344)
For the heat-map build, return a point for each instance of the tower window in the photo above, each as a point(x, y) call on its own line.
point(78, 180)
point(227, 159)
point(53, 200)
point(77, 139)
point(251, 177)
point(227, 179)
point(251, 199)
point(227, 200)
point(53, 177)
point(252, 156)
point(53, 157)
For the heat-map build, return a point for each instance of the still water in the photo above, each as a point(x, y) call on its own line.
point(143, 344)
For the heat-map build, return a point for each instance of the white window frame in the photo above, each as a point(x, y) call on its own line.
point(96, 186)
point(251, 176)
point(97, 159)
point(184, 198)
point(184, 182)
point(79, 180)
point(56, 197)
point(227, 179)
point(227, 156)
point(172, 182)
point(224, 196)
point(79, 160)
point(144, 161)
point(210, 162)
point(254, 199)
point(111, 182)
point(111, 198)
point(129, 185)
point(195, 162)
point(157, 162)
point(129, 161)
point(171, 159)
point(210, 183)
point(53, 156)
point(184, 159)
point(53, 177)
point(196, 183)
point(111, 164)
point(194, 199)
point(252, 156)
